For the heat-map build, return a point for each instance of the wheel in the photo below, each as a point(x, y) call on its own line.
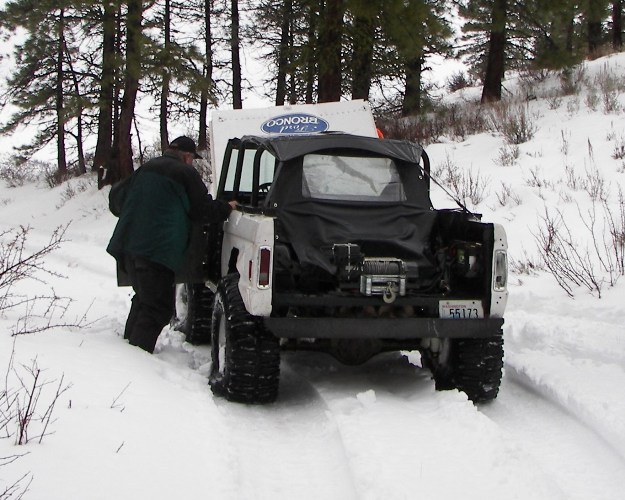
point(473, 366)
point(194, 310)
point(245, 356)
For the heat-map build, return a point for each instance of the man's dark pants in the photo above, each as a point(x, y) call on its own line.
point(153, 302)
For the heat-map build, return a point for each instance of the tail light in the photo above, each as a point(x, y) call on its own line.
point(500, 274)
point(264, 267)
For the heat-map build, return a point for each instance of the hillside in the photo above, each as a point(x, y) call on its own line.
point(128, 425)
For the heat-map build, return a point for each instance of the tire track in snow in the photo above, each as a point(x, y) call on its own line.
point(286, 450)
point(553, 436)
point(403, 440)
point(582, 373)
point(289, 449)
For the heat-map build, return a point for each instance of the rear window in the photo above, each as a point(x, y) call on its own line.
point(351, 178)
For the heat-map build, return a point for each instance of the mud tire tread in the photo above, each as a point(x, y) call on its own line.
point(252, 354)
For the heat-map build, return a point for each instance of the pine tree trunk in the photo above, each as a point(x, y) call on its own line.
point(330, 45)
point(283, 52)
point(60, 111)
point(164, 108)
point(82, 167)
point(311, 55)
point(131, 87)
point(208, 78)
point(362, 57)
point(617, 24)
point(495, 64)
point(237, 100)
point(105, 100)
point(594, 20)
point(412, 96)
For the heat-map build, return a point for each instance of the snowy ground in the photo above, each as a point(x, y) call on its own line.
point(133, 425)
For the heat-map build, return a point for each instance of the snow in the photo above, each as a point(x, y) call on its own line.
point(134, 425)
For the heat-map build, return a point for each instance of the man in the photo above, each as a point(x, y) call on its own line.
point(159, 203)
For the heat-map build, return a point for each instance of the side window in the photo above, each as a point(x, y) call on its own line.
point(232, 167)
point(266, 172)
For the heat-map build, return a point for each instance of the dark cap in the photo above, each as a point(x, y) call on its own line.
point(185, 144)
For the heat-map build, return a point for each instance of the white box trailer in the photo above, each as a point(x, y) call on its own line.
point(353, 117)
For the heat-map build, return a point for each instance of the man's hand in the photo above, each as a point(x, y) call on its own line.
point(234, 204)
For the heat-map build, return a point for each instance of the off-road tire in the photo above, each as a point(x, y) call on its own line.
point(245, 355)
point(195, 321)
point(473, 366)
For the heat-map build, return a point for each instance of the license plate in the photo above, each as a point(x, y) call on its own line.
point(460, 309)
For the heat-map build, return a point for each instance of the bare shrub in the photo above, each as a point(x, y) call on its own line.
point(515, 123)
point(554, 99)
point(27, 403)
point(608, 85)
point(572, 106)
point(507, 195)
point(573, 181)
point(17, 172)
point(564, 148)
point(592, 266)
point(565, 196)
point(595, 185)
point(424, 129)
point(566, 261)
point(532, 75)
point(616, 229)
point(592, 99)
point(73, 187)
point(463, 184)
point(572, 79)
point(508, 155)
point(456, 121)
point(528, 265)
point(40, 312)
point(19, 487)
point(618, 152)
point(458, 81)
point(536, 181)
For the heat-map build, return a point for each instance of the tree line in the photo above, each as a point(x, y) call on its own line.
point(80, 67)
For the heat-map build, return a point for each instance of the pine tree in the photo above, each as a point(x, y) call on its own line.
point(415, 29)
point(40, 83)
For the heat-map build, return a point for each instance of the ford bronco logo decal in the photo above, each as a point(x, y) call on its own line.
point(295, 123)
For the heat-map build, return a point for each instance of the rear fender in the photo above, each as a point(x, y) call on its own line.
point(249, 234)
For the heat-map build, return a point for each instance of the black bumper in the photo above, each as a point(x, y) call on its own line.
point(383, 328)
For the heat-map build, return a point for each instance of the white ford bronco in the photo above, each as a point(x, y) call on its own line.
point(337, 248)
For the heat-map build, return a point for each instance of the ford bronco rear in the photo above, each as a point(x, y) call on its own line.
point(337, 248)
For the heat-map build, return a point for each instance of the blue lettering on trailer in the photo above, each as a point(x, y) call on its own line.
point(295, 123)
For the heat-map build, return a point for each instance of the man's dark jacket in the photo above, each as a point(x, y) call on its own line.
point(159, 203)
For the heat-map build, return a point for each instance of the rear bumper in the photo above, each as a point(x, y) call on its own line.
point(383, 328)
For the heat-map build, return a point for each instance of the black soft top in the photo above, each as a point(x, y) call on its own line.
point(312, 226)
point(285, 148)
